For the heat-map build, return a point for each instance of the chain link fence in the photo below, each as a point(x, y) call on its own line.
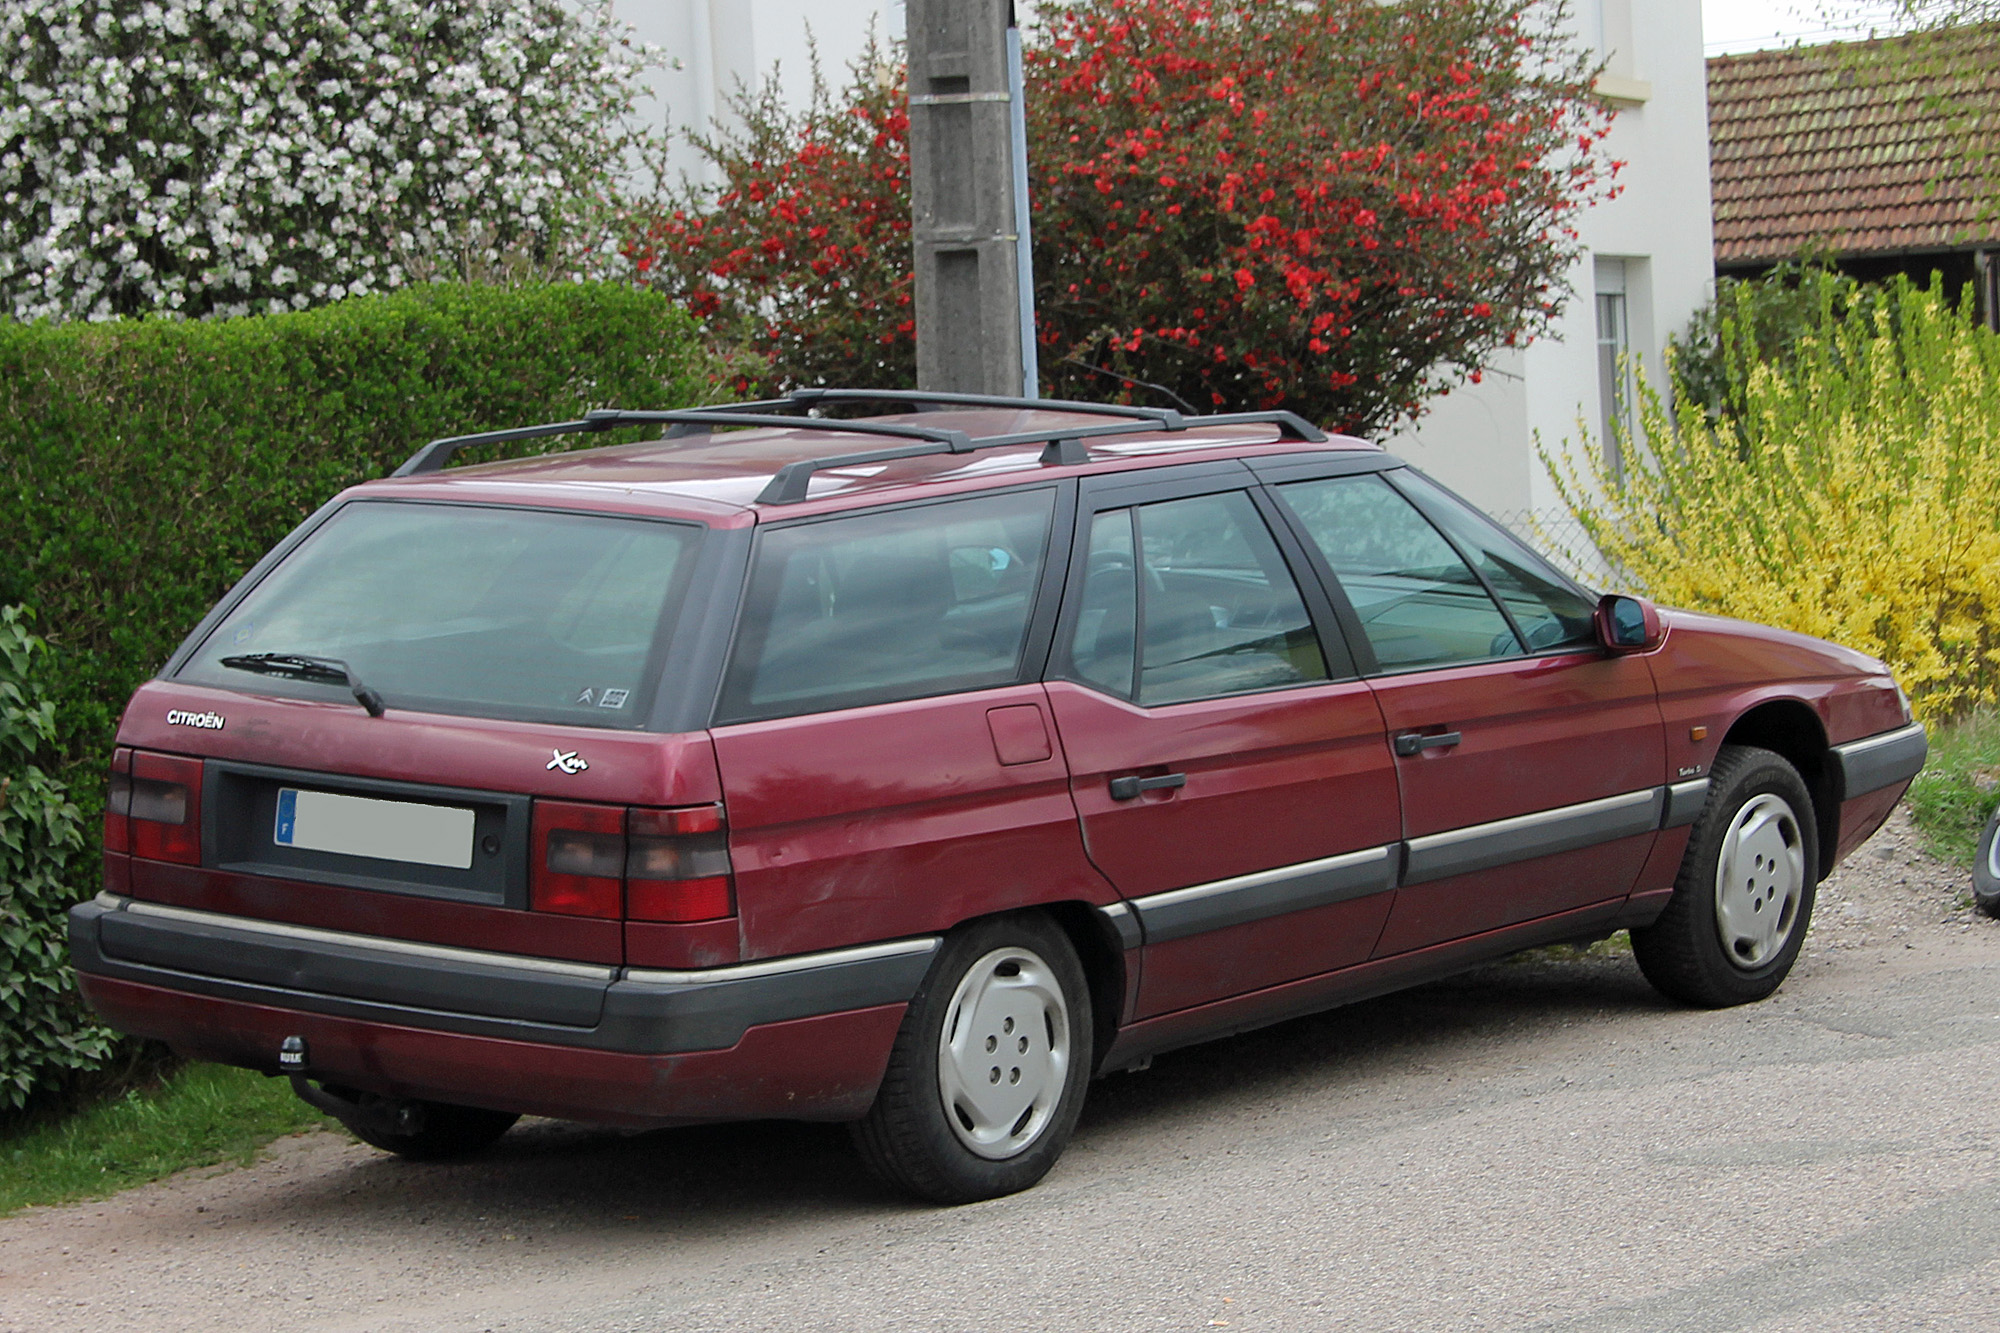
point(1557, 534)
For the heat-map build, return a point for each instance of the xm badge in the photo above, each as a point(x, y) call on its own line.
point(567, 761)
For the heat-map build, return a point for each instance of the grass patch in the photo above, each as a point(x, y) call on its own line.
point(1951, 799)
point(199, 1115)
point(1615, 945)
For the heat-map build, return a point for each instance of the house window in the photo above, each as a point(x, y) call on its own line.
point(1614, 362)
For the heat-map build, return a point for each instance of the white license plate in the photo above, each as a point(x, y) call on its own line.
point(318, 821)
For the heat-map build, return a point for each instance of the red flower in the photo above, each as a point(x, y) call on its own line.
point(1404, 171)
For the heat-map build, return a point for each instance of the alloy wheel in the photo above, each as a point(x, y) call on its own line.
point(1759, 881)
point(1004, 1052)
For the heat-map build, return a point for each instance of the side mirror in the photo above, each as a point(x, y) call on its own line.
point(1628, 624)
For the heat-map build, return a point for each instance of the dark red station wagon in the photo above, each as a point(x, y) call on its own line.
point(911, 770)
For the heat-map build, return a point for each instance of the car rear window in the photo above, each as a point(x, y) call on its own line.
point(477, 610)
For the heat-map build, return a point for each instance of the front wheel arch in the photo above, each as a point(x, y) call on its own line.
point(1791, 730)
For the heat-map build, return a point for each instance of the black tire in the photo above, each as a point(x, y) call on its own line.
point(442, 1131)
point(1729, 942)
point(931, 1131)
point(1985, 872)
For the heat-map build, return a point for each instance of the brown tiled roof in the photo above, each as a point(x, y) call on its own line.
point(1845, 148)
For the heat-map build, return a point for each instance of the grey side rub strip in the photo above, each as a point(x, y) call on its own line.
point(1880, 761)
point(1230, 902)
point(1544, 833)
point(798, 962)
point(1684, 803)
point(1126, 923)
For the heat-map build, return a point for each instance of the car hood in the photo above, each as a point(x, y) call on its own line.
point(1787, 651)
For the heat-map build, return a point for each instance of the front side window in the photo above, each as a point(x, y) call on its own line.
point(1551, 614)
point(896, 604)
point(466, 609)
point(1419, 603)
point(1216, 611)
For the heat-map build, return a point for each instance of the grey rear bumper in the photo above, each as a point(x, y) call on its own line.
point(479, 993)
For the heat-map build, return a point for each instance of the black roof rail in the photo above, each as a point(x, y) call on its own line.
point(1165, 418)
point(806, 400)
point(954, 441)
point(1291, 426)
point(1064, 447)
point(791, 482)
point(433, 456)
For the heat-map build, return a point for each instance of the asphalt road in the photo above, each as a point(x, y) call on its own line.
point(1541, 1145)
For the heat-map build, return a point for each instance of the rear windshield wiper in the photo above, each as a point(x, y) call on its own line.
point(299, 666)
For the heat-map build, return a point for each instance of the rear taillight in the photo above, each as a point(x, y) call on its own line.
point(579, 859)
point(153, 807)
point(118, 803)
point(644, 864)
point(677, 865)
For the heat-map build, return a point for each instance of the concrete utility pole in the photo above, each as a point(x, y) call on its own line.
point(969, 199)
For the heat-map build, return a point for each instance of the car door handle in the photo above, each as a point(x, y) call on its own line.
point(1129, 787)
point(1415, 742)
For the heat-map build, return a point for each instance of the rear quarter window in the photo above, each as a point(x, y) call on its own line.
point(888, 605)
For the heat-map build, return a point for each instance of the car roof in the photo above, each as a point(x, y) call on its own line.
point(723, 471)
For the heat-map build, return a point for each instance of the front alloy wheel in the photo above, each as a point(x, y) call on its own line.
point(1744, 896)
point(1760, 880)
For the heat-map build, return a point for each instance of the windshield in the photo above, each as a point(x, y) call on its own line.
point(469, 609)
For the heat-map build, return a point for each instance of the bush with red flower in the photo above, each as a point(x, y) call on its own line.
point(1341, 207)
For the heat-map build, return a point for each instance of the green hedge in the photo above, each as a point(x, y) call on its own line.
point(144, 465)
point(44, 1034)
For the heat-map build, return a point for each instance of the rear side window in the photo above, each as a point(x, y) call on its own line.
point(894, 604)
point(467, 609)
point(1214, 608)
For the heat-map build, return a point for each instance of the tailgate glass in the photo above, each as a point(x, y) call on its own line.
point(469, 609)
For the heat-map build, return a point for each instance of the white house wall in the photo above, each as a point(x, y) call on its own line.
point(1480, 439)
point(723, 45)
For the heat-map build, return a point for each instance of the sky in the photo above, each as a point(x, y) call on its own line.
point(1751, 25)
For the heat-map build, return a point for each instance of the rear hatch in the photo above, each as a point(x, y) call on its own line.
point(438, 722)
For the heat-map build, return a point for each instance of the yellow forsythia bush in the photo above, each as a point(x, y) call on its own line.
point(1852, 493)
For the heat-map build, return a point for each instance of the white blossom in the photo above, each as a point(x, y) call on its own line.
point(214, 157)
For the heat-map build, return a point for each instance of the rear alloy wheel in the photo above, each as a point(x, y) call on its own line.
point(1986, 868)
point(1744, 896)
point(988, 1070)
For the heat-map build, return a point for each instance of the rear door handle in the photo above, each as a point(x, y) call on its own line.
point(1415, 742)
point(1127, 788)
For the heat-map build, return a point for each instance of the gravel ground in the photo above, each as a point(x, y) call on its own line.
point(1540, 1144)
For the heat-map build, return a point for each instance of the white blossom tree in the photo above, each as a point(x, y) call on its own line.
point(222, 157)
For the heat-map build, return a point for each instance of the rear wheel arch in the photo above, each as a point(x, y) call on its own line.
point(1791, 729)
point(1102, 954)
point(1098, 949)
